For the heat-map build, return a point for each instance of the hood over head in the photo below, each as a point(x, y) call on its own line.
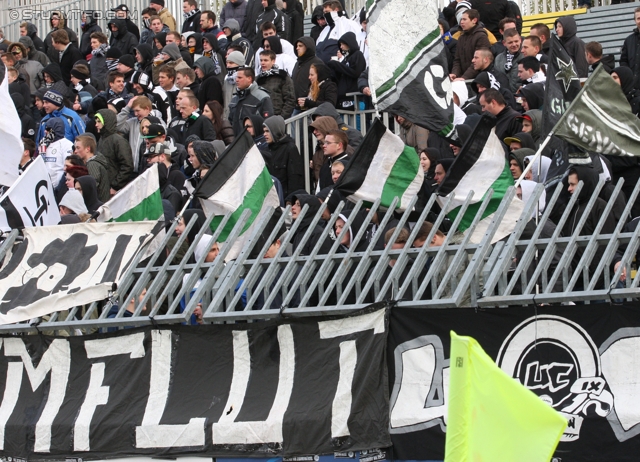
point(459, 87)
point(53, 69)
point(486, 80)
point(569, 27)
point(161, 37)
point(197, 36)
point(57, 125)
point(257, 121)
point(201, 218)
point(540, 168)
point(534, 94)
point(28, 44)
point(528, 188)
point(146, 52)
point(625, 75)
point(350, 40)
point(89, 192)
point(588, 176)
point(310, 44)
point(21, 47)
point(520, 154)
point(311, 201)
point(205, 65)
point(32, 29)
point(109, 120)
point(233, 26)
point(276, 126)
point(535, 116)
point(324, 124)
point(213, 41)
point(205, 152)
point(121, 25)
point(327, 109)
point(60, 15)
point(173, 51)
point(275, 44)
point(318, 13)
point(74, 201)
point(354, 229)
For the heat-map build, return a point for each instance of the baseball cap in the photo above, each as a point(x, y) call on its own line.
point(157, 149)
point(154, 131)
point(121, 7)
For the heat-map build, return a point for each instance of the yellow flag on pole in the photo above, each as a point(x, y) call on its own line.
point(491, 416)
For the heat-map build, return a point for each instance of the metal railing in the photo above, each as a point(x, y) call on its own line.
point(538, 269)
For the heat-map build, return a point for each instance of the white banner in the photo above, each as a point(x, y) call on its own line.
point(30, 201)
point(59, 267)
point(10, 130)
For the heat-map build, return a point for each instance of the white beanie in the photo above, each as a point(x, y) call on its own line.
point(74, 201)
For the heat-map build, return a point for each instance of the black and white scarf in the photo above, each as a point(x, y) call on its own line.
point(190, 14)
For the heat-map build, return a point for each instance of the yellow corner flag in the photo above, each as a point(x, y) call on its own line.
point(491, 416)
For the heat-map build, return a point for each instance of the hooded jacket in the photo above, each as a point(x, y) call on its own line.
point(348, 70)
point(116, 150)
point(98, 168)
point(252, 100)
point(300, 75)
point(258, 138)
point(237, 40)
point(51, 52)
point(217, 57)
point(328, 89)
point(314, 205)
point(146, 52)
point(315, 16)
point(354, 229)
point(287, 164)
point(573, 45)
point(89, 192)
point(27, 122)
point(468, 43)
point(32, 33)
point(354, 136)
point(29, 67)
point(253, 10)
point(273, 15)
point(88, 28)
point(280, 87)
point(283, 60)
point(122, 39)
point(590, 179)
point(210, 86)
point(536, 123)
point(295, 13)
point(534, 94)
point(55, 149)
point(53, 69)
point(33, 52)
point(73, 124)
point(337, 25)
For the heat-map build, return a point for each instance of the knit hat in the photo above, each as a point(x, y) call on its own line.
point(128, 61)
point(53, 97)
point(236, 57)
point(113, 53)
point(79, 74)
point(118, 103)
point(157, 2)
point(74, 201)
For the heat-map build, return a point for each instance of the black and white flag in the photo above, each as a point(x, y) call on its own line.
point(30, 201)
point(58, 267)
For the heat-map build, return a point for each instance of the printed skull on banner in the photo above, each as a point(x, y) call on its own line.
point(551, 355)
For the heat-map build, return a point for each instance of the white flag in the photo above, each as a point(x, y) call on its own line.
point(30, 201)
point(10, 130)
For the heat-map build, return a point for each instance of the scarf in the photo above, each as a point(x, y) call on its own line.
point(509, 64)
point(79, 86)
point(111, 65)
point(47, 139)
point(101, 50)
point(271, 72)
point(190, 14)
point(231, 76)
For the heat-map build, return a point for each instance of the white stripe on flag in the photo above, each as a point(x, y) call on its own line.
point(10, 130)
point(389, 149)
point(131, 195)
point(231, 195)
point(481, 175)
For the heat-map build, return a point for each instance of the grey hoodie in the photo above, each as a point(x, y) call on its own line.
point(34, 55)
point(276, 126)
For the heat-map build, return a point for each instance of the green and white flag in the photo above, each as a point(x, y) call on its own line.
point(408, 67)
point(600, 119)
point(239, 180)
point(480, 165)
point(382, 167)
point(140, 200)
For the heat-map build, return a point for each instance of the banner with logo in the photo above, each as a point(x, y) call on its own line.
point(582, 360)
point(294, 388)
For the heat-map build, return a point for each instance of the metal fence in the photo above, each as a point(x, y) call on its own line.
point(513, 271)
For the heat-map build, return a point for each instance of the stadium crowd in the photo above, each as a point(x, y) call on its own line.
point(102, 106)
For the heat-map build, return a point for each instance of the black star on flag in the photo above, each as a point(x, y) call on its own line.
point(567, 73)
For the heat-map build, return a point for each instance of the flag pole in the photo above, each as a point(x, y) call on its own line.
point(535, 157)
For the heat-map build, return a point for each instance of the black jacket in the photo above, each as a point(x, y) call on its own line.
point(314, 205)
point(300, 75)
point(195, 124)
point(89, 28)
point(492, 12)
point(348, 70)
point(273, 15)
point(287, 164)
point(630, 55)
point(192, 24)
point(122, 39)
point(254, 10)
point(70, 56)
point(507, 123)
point(573, 45)
point(32, 32)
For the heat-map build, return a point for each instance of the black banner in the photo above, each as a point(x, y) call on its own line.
point(276, 388)
point(582, 360)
